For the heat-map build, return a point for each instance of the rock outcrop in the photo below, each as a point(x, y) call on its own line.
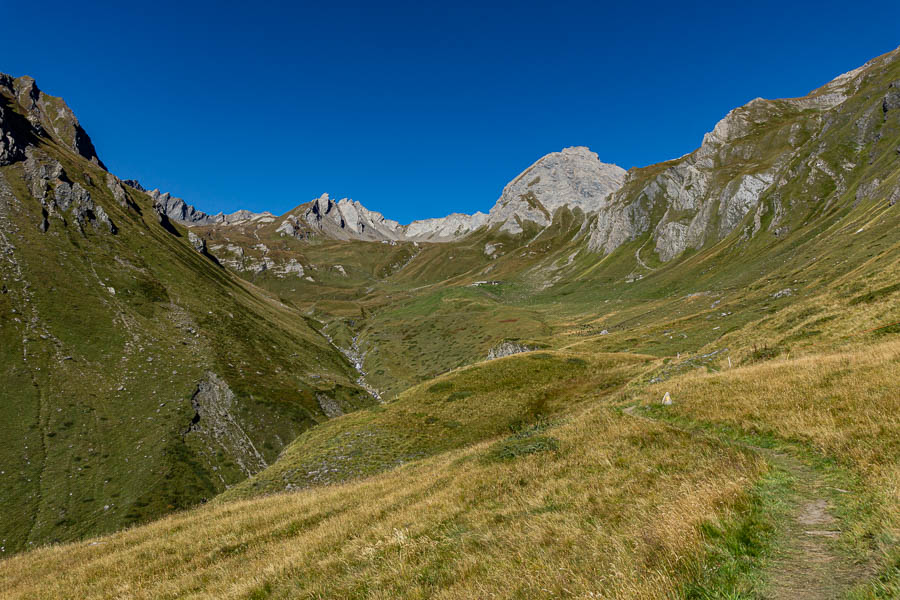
point(198, 243)
point(759, 163)
point(47, 115)
point(347, 219)
point(573, 178)
point(508, 348)
point(12, 149)
point(215, 425)
point(445, 229)
point(59, 197)
point(134, 183)
point(180, 211)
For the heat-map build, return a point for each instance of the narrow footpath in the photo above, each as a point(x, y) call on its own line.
point(806, 564)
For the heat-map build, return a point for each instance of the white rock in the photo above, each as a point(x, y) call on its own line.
point(574, 178)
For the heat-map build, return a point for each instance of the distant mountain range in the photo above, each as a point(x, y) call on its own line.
point(154, 356)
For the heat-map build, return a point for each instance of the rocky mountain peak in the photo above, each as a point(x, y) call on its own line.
point(345, 219)
point(762, 163)
point(180, 211)
point(48, 116)
point(573, 177)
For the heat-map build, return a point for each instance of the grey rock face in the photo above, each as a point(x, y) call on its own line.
point(291, 267)
point(508, 348)
point(349, 220)
point(11, 148)
point(732, 179)
point(256, 260)
point(230, 255)
point(49, 116)
point(693, 201)
point(287, 228)
point(180, 211)
point(134, 183)
point(104, 220)
point(892, 98)
point(574, 177)
point(118, 192)
point(78, 201)
point(44, 174)
point(329, 406)
point(214, 423)
point(197, 242)
point(445, 229)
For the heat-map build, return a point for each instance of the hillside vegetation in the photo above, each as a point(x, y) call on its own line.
point(105, 342)
point(690, 392)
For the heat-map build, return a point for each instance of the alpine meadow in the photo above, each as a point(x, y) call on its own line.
point(674, 381)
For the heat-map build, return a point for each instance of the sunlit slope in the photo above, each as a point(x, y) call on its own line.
point(107, 336)
point(511, 395)
point(579, 507)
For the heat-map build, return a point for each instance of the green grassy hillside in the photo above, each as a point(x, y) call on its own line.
point(145, 376)
point(106, 340)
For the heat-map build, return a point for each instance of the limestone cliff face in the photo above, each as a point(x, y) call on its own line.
point(753, 169)
point(182, 212)
point(447, 228)
point(349, 220)
point(574, 178)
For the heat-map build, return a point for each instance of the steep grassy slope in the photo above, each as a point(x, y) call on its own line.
point(509, 395)
point(588, 514)
point(584, 501)
point(774, 330)
point(139, 376)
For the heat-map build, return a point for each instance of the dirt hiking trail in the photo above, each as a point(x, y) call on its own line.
point(806, 563)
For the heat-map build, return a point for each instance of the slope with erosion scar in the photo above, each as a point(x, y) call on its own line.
point(112, 326)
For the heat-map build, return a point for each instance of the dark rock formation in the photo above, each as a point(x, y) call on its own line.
point(47, 115)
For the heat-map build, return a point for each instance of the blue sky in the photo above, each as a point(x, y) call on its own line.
point(415, 109)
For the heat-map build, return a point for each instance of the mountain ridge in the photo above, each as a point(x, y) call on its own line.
point(573, 170)
point(229, 345)
point(573, 177)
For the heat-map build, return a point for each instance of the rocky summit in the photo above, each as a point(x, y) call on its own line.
point(675, 381)
point(573, 178)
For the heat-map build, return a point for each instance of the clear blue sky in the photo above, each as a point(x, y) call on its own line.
point(415, 109)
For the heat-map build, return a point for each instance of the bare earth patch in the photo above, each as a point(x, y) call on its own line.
point(808, 565)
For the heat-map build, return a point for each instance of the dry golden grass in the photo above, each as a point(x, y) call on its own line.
point(845, 405)
point(613, 513)
point(460, 408)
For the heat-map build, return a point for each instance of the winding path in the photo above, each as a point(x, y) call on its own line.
point(637, 256)
point(806, 564)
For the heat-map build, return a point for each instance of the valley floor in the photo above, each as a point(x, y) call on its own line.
point(688, 391)
point(733, 491)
